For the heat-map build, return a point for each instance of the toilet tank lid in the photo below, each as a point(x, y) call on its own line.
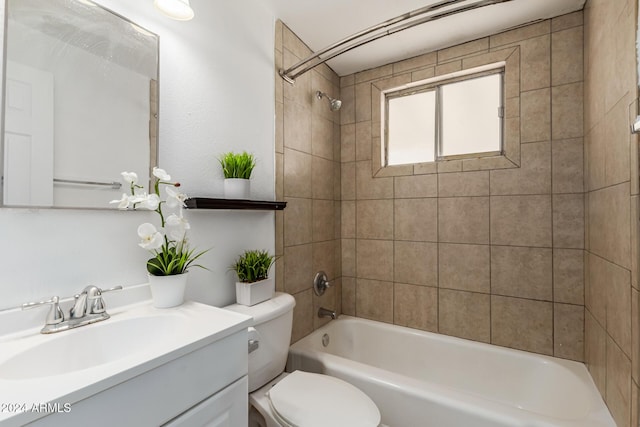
point(280, 304)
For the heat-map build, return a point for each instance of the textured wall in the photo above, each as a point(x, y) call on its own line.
point(611, 184)
point(308, 177)
point(490, 249)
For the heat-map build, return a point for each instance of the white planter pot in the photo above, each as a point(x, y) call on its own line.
point(256, 292)
point(237, 188)
point(168, 291)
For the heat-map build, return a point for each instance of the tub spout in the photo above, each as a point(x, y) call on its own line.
point(323, 312)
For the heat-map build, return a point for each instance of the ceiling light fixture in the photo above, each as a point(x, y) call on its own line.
point(180, 10)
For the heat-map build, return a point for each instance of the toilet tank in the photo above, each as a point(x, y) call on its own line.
point(272, 322)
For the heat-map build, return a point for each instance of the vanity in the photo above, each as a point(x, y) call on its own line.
point(143, 366)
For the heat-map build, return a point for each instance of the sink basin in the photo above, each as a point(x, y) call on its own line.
point(75, 366)
point(89, 346)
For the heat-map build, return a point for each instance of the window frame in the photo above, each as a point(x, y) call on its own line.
point(435, 84)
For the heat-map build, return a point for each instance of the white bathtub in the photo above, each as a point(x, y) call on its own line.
point(420, 379)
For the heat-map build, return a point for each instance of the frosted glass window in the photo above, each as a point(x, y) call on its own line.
point(471, 121)
point(411, 128)
point(458, 117)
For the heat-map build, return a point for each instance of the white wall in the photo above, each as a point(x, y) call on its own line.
point(216, 95)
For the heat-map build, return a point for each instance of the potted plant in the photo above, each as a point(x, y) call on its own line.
point(168, 268)
point(237, 168)
point(255, 285)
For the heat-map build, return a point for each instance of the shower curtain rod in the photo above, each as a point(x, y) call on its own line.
point(296, 70)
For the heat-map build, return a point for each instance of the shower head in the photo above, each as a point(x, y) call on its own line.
point(334, 104)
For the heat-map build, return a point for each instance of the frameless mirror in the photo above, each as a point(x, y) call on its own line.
point(81, 103)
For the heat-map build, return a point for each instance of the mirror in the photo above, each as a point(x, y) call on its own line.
point(81, 104)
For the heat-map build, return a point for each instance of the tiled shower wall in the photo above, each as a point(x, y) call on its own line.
point(308, 179)
point(611, 185)
point(485, 251)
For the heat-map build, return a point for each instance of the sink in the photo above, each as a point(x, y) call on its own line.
point(138, 344)
point(89, 346)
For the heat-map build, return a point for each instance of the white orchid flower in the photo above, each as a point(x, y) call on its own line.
point(161, 174)
point(146, 201)
point(151, 238)
point(175, 198)
point(130, 177)
point(176, 227)
point(124, 202)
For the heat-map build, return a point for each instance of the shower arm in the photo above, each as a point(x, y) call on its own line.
point(312, 61)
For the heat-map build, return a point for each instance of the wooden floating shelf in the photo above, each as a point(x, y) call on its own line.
point(256, 205)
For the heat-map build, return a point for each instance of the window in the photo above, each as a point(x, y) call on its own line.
point(454, 117)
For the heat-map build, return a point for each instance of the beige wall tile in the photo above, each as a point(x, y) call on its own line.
point(464, 49)
point(348, 180)
point(616, 152)
point(349, 296)
point(297, 127)
point(519, 34)
point(374, 73)
point(635, 334)
point(348, 222)
point(298, 267)
point(321, 137)
point(535, 113)
point(567, 56)
point(464, 267)
point(321, 178)
point(348, 257)
point(595, 351)
point(535, 63)
point(464, 314)
point(448, 67)
point(416, 62)
point(609, 223)
point(323, 260)
point(302, 315)
point(423, 74)
point(348, 109)
point(409, 187)
point(322, 220)
point(568, 276)
point(363, 140)
point(348, 80)
point(522, 272)
point(521, 220)
point(374, 259)
point(569, 20)
point(374, 300)
point(425, 168)
point(532, 177)
point(297, 222)
point(279, 274)
point(523, 324)
point(297, 173)
point(463, 184)
point(567, 166)
point(279, 172)
point(348, 142)
point(566, 107)
point(415, 306)
point(568, 221)
point(416, 219)
point(374, 219)
point(463, 219)
point(449, 166)
point(619, 311)
point(279, 127)
point(368, 187)
point(415, 263)
point(568, 331)
point(618, 395)
point(363, 102)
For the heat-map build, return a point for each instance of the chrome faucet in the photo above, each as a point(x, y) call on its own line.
point(323, 312)
point(88, 307)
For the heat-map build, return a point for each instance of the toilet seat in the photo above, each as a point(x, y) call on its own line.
point(313, 400)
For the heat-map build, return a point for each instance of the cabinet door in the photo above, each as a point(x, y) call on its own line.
point(227, 408)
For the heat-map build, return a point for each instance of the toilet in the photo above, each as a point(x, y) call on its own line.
point(300, 399)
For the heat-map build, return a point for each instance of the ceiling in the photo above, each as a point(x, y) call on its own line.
point(320, 23)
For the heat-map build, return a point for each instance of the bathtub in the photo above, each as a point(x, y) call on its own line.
point(421, 379)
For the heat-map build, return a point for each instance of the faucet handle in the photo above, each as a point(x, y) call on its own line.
point(320, 283)
point(55, 315)
point(95, 296)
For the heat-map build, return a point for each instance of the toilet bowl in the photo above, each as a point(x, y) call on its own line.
point(300, 399)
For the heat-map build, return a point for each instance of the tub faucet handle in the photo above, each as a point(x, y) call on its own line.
point(320, 283)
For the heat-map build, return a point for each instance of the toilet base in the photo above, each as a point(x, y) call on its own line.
point(259, 402)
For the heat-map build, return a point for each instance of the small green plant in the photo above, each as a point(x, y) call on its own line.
point(253, 266)
point(237, 165)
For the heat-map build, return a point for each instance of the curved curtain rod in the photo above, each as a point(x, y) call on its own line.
point(312, 61)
